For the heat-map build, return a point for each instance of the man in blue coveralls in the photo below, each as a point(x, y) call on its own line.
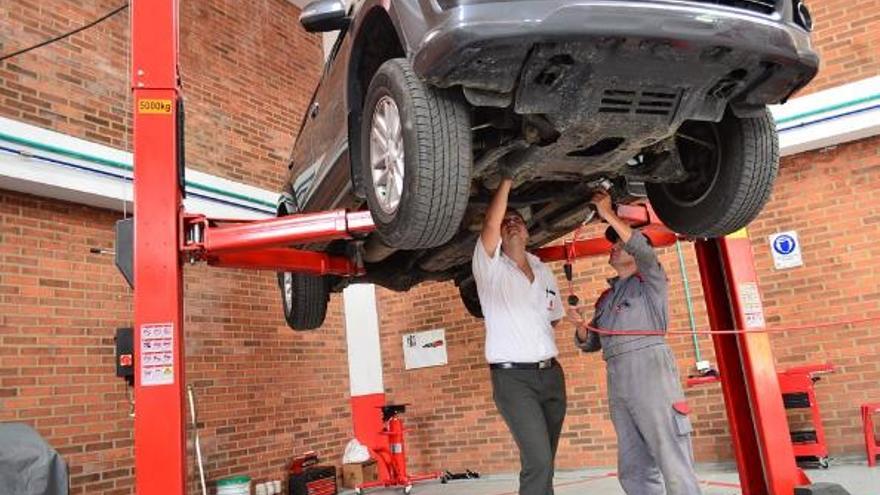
point(648, 409)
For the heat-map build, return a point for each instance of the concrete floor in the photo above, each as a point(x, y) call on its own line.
point(852, 474)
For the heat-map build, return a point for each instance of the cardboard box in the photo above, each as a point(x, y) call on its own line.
point(355, 474)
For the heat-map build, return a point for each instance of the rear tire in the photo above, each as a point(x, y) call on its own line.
point(304, 300)
point(731, 165)
point(415, 166)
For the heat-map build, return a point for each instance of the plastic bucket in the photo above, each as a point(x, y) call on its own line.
point(235, 485)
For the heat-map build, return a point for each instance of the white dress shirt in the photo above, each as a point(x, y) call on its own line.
point(518, 313)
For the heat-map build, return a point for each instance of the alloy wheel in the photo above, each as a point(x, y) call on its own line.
point(387, 154)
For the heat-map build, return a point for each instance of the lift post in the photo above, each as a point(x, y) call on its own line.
point(752, 398)
point(164, 236)
point(159, 435)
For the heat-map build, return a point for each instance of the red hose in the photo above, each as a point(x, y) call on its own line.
point(793, 328)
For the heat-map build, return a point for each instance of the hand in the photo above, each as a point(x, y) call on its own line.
point(506, 171)
point(602, 201)
point(574, 316)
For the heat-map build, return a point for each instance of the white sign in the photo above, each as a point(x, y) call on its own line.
point(750, 304)
point(786, 250)
point(157, 354)
point(423, 349)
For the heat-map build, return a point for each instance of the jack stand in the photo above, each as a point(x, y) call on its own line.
point(392, 460)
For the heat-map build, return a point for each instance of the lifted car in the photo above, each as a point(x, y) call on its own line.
point(422, 101)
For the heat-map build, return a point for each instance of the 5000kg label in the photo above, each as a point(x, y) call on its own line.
point(154, 106)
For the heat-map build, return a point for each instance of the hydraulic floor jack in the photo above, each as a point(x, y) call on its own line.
point(392, 459)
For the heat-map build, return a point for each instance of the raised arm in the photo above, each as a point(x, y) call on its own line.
point(491, 234)
point(602, 201)
point(634, 242)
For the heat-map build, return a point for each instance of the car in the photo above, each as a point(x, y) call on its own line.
point(423, 102)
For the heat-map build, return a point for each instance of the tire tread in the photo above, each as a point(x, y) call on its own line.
point(310, 296)
point(753, 148)
point(441, 125)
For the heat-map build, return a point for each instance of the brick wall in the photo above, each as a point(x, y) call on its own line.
point(846, 34)
point(247, 69)
point(263, 392)
point(829, 197)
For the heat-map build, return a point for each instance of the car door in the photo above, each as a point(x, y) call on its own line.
point(302, 160)
point(328, 116)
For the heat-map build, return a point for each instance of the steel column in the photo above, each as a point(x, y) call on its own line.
point(159, 435)
point(752, 397)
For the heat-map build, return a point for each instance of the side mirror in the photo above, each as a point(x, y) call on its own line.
point(324, 15)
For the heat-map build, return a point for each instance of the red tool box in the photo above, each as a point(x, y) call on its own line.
point(796, 385)
point(307, 478)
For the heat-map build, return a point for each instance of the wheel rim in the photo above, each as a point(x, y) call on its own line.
point(699, 147)
point(386, 154)
point(288, 291)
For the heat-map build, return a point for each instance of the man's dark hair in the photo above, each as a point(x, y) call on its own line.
point(611, 235)
point(512, 211)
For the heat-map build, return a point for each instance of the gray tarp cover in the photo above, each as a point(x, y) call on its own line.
point(28, 465)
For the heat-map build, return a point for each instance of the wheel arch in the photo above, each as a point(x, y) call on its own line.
point(376, 40)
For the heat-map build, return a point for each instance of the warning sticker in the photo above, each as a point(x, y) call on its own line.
point(750, 302)
point(153, 105)
point(157, 354)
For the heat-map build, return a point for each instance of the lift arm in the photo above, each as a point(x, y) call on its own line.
point(257, 244)
point(638, 215)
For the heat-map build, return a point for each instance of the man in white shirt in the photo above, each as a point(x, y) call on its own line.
point(521, 306)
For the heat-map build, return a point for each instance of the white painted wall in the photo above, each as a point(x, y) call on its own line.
point(838, 115)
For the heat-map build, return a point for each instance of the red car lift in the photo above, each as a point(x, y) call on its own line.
point(872, 441)
point(164, 236)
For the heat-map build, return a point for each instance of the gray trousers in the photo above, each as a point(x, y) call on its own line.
point(532, 403)
point(655, 455)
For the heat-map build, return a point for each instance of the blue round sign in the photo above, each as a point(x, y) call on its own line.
point(784, 244)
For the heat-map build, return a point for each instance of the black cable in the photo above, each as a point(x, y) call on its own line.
point(65, 35)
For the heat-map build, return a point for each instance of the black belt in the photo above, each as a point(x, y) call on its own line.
point(540, 365)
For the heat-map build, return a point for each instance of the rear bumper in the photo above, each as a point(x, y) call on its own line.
point(489, 45)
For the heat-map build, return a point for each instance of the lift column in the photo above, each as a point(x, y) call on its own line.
point(752, 397)
point(159, 435)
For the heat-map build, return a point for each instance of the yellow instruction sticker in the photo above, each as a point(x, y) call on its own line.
point(148, 105)
point(739, 234)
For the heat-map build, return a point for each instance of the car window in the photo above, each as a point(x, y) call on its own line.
point(340, 37)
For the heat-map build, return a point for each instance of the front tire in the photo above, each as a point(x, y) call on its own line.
point(731, 168)
point(416, 158)
point(304, 300)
